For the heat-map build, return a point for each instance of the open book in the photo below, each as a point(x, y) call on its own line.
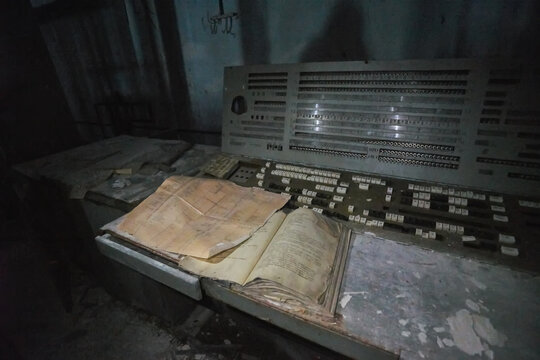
point(295, 260)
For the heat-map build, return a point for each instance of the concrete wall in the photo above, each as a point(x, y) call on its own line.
point(163, 52)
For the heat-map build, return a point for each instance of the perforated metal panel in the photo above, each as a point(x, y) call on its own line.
point(463, 122)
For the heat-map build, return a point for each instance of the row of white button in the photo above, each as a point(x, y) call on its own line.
point(305, 200)
point(421, 195)
point(394, 217)
point(368, 180)
point(531, 204)
point(507, 239)
point(363, 220)
point(309, 192)
point(421, 204)
point(450, 191)
point(357, 218)
point(296, 175)
point(309, 171)
point(455, 229)
point(457, 201)
point(289, 174)
point(426, 234)
point(510, 251)
point(324, 188)
point(458, 211)
point(363, 186)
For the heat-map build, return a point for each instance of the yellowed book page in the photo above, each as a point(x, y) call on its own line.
point(236, 264)
point(200, 217)
point(301, 254)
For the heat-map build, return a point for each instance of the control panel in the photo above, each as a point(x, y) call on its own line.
point(483, 224)
point(471, 123)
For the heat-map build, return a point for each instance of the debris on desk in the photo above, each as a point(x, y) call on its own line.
point(439, 342)
point(123, 171)
point(345, 300)
point(403, 322)
point(472, 305)
point(422, 337)
point(80, 169)
point(120, 183)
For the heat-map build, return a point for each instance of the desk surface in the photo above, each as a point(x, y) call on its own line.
point(139, 186)
point(79, 169)
point(396, 298)
point(425, 304)
point(402, 299)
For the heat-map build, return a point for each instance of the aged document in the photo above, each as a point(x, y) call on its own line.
point(200, 217)
point(236, 264)
point(301, 255)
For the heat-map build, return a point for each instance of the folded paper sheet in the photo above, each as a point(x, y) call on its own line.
point(200, 217)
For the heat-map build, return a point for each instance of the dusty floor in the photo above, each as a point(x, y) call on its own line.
point(54, 311)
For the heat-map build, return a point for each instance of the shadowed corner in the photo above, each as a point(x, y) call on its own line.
point(342, 37)
point(253, 32)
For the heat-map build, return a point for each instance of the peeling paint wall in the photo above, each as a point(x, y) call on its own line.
point(162, 53)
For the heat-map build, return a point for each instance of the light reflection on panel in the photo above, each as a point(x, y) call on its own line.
point(428, 120)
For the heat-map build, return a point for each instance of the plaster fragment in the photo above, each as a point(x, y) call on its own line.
point(472, 305)
point(448, 342)
point(461, 328)
point(345, 300)
point(479, 284)
point(484, 329)
point(439, 342)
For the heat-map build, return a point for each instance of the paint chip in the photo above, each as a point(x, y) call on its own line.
point(406, 333)
point(448, 342)
point(345, 300)
point(403, 322)
point(479, 284)
point(472, 305)
point(484, 329)
point(439, 342)
point(422, 337)
point(439, 329)
point(461, 328)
